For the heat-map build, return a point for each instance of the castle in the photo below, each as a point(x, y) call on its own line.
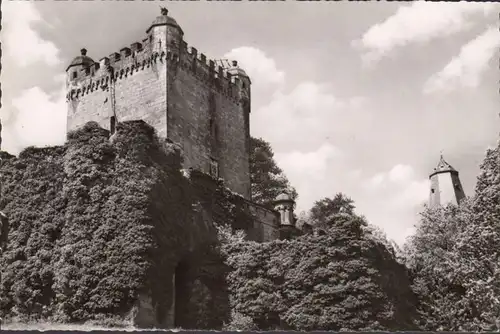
point(445, 185)
point(189, 100)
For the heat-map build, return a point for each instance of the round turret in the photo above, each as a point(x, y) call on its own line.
point(284, 197)
point(284, 204)
point(237, 71)
point(243, 84)
point(165, 28)
point(81, 60)
point(78, 63)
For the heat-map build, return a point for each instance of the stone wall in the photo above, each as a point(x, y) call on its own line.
point(195, 105)
point(266, 223)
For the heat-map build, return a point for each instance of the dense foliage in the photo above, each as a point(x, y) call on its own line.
point(323, 210)
point(267, 179)
point(344, 279)
point(98, 222)
point(455, 261)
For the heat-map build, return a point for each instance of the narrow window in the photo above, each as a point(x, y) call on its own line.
point(432, 191)
point(74, 74)
point(214, 168)
point(112, 124)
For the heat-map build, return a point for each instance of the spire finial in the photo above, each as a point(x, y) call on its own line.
point(83, 52)
point(164, 11)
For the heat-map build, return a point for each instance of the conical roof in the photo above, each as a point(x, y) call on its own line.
point(443, 167)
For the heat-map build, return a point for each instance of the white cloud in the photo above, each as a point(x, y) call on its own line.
point(310, 164)
point(401, 173)
point(307, 116)
point(306, 170)
point(37, 119)
point(33, 117)
point(419, 23)
point(21, 41)
point(261, 69)
point(465, 70)
point(392, 199)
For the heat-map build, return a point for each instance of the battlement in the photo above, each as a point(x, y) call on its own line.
point(197, 102)
point(141, 56)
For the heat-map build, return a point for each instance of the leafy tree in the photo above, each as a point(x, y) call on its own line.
point(343, 280)
point(454, 259)
point(267, 179)
point(324, 210)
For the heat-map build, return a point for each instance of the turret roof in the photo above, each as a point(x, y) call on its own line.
point(82, 59)
point(164, 20)
point(234, 69)
point(442, 167)
point(283, 197)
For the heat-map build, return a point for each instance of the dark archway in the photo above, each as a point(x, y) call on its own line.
point(181, 295)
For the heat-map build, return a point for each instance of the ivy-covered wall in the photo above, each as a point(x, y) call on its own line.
point(103, 229)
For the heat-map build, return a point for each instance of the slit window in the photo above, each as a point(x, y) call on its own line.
point(112, 124)
point(214, 168)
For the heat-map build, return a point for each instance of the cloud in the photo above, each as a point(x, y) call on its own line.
point(306, 170)
point(401, 173)
point(21, 42)
point(307, 116)
point(465, 70)
point(392, 200)
point(261, 69)
point(418, 23)
point(308, 164)
point(37, 119)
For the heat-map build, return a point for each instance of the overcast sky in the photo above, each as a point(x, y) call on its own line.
point(354, 97)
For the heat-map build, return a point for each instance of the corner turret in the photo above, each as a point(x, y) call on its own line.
point(242, 80)
point(165, 33)
point(445, 185)
point(79, 66)
point(285, 205)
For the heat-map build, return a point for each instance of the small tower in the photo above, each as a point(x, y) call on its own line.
point(242, 80)
point(164, 33)
point(285, 205)
point(79, 67)
point(445, 185)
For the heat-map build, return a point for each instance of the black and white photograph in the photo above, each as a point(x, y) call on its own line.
point(250, 166)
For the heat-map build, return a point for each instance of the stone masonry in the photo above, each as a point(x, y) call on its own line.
point(175, 89)
point(189, 100)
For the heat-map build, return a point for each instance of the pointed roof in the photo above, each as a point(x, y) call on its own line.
point(443, 167)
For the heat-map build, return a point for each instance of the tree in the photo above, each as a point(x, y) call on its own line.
point(343, 280)
point(323, 210)
point(267, 179)
point(454, 259)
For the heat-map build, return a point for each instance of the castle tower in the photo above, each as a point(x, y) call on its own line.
point(445, 185)
point(175, 89)
point(243, 83)
point(285, 205)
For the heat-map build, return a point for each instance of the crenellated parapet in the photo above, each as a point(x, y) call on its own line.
point(142, 56)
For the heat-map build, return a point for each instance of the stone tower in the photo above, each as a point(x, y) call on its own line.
point(186, 97)
point(285, 205)
point(445, 185)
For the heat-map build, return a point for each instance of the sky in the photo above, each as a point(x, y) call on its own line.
point(354, 97)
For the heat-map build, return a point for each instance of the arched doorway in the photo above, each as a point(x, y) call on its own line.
point(181, 294)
